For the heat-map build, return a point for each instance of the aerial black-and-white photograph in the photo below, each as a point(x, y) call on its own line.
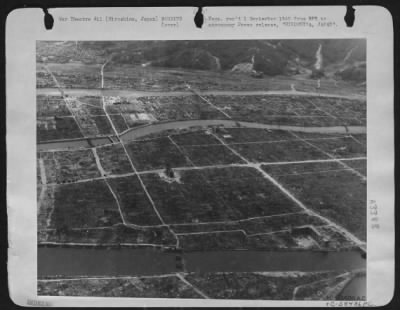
point(226, 169)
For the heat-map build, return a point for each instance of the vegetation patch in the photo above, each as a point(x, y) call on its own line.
point(118, 234)
point(155, 154)
point(103, 125)
point(217, 195)
point(213, 241)
point(249, 135)
point(57, 128)
point(341, 147)
point(230, 285)
point(119, 122)
point(167, 108)
point(359, 165)
point(113, 159)
point(81, 205)
point(211, 155)
point(150, 287)
point(279, 151)
point(69, 166)
point(48, 106)
point(135, 205)
point(338, 194)
point(196, 138)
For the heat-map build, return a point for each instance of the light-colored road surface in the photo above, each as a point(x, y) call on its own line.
point(104, 102)
point(42, 171)
point(43, 190)
point(165, 275)
point(98, 163)
point(138, 93)
point(102, 73)
point(220, 166)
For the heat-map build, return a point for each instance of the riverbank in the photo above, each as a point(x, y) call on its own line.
point(214, 285)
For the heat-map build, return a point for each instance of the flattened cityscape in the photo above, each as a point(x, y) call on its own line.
point(202, 169)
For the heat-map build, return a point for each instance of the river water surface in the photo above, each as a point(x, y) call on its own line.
point(136, 262)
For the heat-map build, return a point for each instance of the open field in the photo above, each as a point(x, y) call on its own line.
point(82, 205)
point(253, 285)
point(162, 79)
point(103, 125)
point(52, 128)
point(216, 195)
point(221, 285)
point(278, 151)
point(359, 165)
point(257, 225)
point(95, 101)
point(168, 79)
point(195, 138)
point(341, 147)
point(214, 207)
point(115, 235)
point(247, 135)
point(114, 159)
point(66, 52)
point(237, 240)
point(150, 287)
point(302, 238)
point(119, 122)
point(135, 205)
point(69, 166)
point(295, 110)
point(330, 190)
point(44, 78)
point(155, 154)
point(90, 104)
point(74, 75)
point(210, 155)
point(166, 108)
point(48, 106)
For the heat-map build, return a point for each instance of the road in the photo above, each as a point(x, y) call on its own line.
point(218, 166)
point(138, 93)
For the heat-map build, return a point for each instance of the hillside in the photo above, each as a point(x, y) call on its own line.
point(343, 59)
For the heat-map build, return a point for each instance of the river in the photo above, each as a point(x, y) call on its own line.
point(73, 143)
point(138, 132)
point(142, 131)
point(138, 261)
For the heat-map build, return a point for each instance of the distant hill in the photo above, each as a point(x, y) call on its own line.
point(344, 58)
